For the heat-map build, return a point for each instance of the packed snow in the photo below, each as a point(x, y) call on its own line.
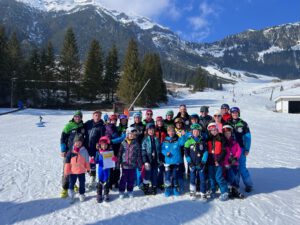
point(31, 167)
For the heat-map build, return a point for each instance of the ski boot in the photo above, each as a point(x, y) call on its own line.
point(153, 190)
point(71, 196)
point(121, 195)
point(168, 191)
point(99, 192)
point(203, 197)
point(106, 198)
point(193, 195)
point(130, 194)
point(176, 192)
point(223, 197)
point(248, 189)
point(145, 189)
point(82, 197)
point(236, 194)
point(64, 193)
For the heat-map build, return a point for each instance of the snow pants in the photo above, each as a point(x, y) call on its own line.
point(151, 175)
point(194, 172)
point(73, 179)
point(127, 180)
point(244, 171)
point(215, 175)
point(233, 176)
point(171, 175)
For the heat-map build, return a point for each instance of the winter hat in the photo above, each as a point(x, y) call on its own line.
point(225, 106)
point(227, 128)
point(78, 137)
point(137, 114)
point(130, 130)
point(148, 111)
point(77, 113)
point(159, 118)
point(170, 113)
point(235, 109)
point(104, 139)
point(212, 126)
point(150, 126)
point(194, 116)
point(204, 109)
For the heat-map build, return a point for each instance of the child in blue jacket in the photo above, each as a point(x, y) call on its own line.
point(103, 174)
point(171, 149)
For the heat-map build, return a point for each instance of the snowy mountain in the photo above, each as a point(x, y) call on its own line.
point(31, 168)
point(273, 51)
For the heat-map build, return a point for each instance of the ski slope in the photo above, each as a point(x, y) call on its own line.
point(31, 167)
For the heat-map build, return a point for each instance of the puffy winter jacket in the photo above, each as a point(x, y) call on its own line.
point(233, 150)
point(216, 149)
point(93, 132)
point(204, 121)
point(130, 156)
point(226, 117)
point(195, 149)
point(145, 121)
point(171, 149)
point(103, 174)
point(242, 133)
point(68, 134)
point(186, 120)
point(151, 150)
point(77, 163)
point(160, 133)
point(111, 131)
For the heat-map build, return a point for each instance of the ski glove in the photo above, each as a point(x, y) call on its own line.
point(63, 147)
point(232, 160)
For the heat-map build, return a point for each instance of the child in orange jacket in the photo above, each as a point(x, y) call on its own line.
point(77, 164)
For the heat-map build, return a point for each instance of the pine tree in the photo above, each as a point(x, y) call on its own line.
point(70, 65)
point(130, 81)
point(111, 78)
point(4, 76)
point(200, 80)
point(155, 92)
point(15, 67)
point(48, 73)
point(93, 72)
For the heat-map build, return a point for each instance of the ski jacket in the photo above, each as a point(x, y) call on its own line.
point(161, 133)
point(233, 150)
point(171, 149)
point(68, 134)
point(186, 120)
point(111, 131)
point(204, 121)
point(242, 133)
point(130, 156)
point(216, 149)
point(168, 123)
point(195, 149)
point(145, 121)
point(77, 163)
point(140, 127)
point(122, 129)
point(151, 150)
point(226, 117)
point(103, 174)
point(93, 132)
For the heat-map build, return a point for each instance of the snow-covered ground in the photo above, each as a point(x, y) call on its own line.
point(30, 169)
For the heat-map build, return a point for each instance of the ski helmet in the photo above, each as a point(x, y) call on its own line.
point(123, 116)
point(196, 126)
point(150, 126)
point(235, 109)
point(130, 130)
point(227, 128)
point(212, 126)
point(113, 117)
point(178, 120)
point(194, 116)
point(137, 114)
point(104, 140)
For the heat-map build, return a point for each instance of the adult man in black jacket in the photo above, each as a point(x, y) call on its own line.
point(94, 130)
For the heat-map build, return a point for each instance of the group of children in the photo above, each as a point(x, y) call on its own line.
point(208, 151)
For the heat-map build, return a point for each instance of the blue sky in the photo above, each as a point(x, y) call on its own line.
point(212, 20)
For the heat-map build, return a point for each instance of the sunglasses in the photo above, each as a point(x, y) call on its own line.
point(217, 116)
point(150, 114)
point(213, 130)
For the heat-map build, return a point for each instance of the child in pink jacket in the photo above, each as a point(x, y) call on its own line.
point(231, 162)
point(76, 165)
